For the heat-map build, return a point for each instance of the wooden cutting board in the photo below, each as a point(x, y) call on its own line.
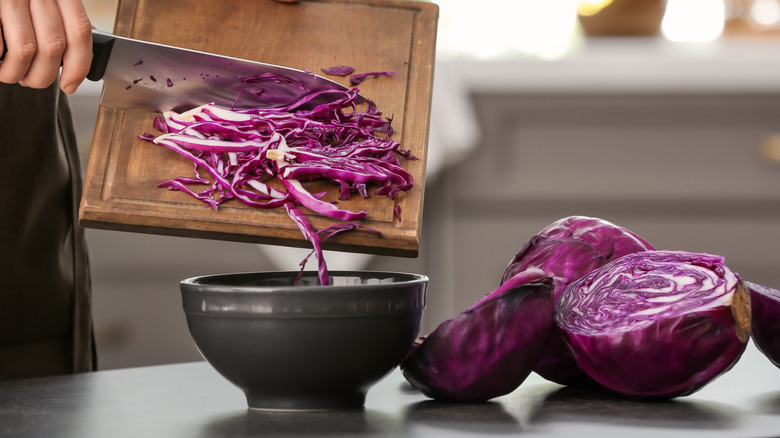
point(120, 191)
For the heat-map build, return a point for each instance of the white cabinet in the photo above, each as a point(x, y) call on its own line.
point(684, 171)
point(665, 139)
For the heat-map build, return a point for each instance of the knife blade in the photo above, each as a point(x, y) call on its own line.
point(155, 77)
point(146, 76)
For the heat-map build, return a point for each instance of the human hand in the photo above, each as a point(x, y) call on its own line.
point(42, 35)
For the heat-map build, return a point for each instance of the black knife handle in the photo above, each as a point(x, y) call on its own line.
point(101, 50)
point(102, 43)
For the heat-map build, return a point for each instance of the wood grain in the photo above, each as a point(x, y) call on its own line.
point(123, 172)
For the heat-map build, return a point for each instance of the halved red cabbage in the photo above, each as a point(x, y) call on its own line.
point(656, 324)
point(566, 250)
point(765, 308)
point(490, 348)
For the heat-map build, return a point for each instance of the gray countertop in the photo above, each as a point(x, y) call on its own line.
point(192, 400)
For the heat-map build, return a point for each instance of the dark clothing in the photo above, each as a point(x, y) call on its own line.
point(45, 318)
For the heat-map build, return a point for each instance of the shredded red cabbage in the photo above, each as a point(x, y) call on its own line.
point(360, 77)
point(245, 150)
point(338, 70)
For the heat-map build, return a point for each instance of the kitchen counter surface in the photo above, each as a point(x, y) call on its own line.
point(192, 400)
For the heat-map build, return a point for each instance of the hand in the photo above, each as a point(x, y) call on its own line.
point(42, 35)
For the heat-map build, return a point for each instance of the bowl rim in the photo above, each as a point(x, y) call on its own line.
point(199, 281)
point(304, 301)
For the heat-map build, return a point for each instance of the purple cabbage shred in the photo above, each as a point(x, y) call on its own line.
point(338, 70)
point(360, 77)
point(262, 157)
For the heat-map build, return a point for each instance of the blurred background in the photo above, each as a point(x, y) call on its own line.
point(660, 116)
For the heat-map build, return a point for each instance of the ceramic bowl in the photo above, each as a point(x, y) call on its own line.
point(304, 346)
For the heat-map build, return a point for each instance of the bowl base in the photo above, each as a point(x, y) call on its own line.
point(307, 403)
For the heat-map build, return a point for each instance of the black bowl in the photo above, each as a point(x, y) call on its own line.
point(304, 346)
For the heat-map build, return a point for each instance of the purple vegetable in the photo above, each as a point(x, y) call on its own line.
point(261, 157)
point(275, 79)
point(566, 250)
point(489, 349)
point(338, 70)
point(765, 308)
point(656, 324)
point(360, 77)
point(308, 232)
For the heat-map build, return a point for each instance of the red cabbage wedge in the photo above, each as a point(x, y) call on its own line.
point(490, 348)
point(656, 324)
point(765, 307)
point(566, 250)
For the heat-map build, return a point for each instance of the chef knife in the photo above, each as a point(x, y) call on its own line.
point(146, 76)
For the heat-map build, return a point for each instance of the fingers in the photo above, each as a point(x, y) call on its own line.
point(78, 51)
point(19, 39)
point(50, 44)
point(41, 36)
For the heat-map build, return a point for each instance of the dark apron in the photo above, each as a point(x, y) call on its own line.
point(45, 319)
